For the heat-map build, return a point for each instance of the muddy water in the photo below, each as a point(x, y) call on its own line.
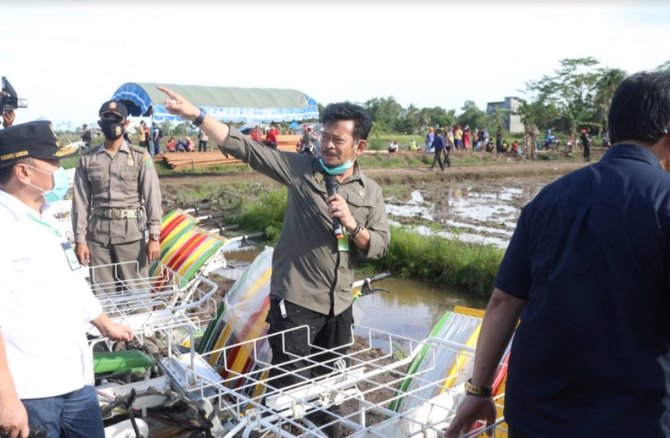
point(409, 308)
point(479, 212)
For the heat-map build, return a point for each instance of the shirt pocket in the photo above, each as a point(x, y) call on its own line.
point(360, 207)
point(130, 174)
point(95, 179)
point(129, 184)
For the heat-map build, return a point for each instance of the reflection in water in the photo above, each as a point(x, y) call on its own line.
point(411, 308)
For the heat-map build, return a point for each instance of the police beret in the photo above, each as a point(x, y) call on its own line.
point(33, 139)
point(113, 107)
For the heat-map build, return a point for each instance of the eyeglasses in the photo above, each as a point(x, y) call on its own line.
point(337, 141)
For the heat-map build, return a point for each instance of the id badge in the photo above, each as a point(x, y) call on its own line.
point(70, 255)
point(343, 243)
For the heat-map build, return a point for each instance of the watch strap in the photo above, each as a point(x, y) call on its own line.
point(201, 118)
point(478, 391)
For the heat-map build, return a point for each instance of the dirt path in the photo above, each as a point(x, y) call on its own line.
point(416, 173)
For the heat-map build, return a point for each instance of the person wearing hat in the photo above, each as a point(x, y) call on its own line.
point(116, 199)
point(45, 363)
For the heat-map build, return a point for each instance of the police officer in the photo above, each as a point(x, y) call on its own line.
point(116, 198)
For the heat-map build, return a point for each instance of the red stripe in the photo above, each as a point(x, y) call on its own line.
point(191, 244)
point(165, 231)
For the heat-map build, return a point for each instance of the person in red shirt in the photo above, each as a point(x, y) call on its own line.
point(271, 137)
point(256, 134)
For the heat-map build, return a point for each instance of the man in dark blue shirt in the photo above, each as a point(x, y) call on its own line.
point(588, 273)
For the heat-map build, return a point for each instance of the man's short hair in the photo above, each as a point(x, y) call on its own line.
point(348, 111)
point(7, 167)
point(640, 108)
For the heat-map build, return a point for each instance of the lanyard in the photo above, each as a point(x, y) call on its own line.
point(44, 224)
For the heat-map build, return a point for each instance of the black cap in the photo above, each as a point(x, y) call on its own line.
point(113, 107)
point(33, 139)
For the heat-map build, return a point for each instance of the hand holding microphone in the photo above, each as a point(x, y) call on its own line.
point(335, 207)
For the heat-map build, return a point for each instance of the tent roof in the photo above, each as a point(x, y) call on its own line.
point(229, 104)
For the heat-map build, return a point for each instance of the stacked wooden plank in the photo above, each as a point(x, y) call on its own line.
point(192, 160)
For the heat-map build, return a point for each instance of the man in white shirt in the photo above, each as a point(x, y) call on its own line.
point(46, 372)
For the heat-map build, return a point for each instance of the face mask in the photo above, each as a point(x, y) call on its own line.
point(61, 185)
point(111, 128)
point(336, 170)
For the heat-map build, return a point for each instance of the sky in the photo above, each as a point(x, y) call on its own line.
point(67, 58)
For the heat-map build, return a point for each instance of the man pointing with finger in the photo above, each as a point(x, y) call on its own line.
point(312, 270)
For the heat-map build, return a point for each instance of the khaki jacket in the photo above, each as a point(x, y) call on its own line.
point(307, 268)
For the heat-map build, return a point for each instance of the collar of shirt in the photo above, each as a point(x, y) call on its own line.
point(17, 208)
point(632, 152)
point(20, 210)
point(124, 148)
point(356, 176)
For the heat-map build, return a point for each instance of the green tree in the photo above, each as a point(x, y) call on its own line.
point(408, 122)
point(571, 90)
point(472, 116)
point(385, 113)
point(609, 80)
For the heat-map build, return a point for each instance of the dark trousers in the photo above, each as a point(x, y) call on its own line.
point(438, 158)
point(325, 332)
point(447, 161)
point(587, 152)
point(202, 146)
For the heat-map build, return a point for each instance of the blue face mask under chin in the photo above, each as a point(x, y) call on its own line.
point(336, 170)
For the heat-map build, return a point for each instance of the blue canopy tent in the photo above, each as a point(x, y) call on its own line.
point(228, 104)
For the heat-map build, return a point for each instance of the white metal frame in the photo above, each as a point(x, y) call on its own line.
point(364, 386)
point(161, 303)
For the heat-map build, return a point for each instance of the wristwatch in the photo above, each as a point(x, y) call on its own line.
point(154, 236)
point(201, 118)
point(478, 391)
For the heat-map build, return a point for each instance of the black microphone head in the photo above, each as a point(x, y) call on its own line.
point(331, 184)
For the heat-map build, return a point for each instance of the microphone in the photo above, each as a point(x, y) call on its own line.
point(331, 189)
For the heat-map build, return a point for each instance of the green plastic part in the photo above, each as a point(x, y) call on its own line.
point(116, 361)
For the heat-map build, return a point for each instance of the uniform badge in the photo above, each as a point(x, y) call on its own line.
point(318, 177)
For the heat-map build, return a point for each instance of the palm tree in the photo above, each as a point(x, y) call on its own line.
point(609, 80)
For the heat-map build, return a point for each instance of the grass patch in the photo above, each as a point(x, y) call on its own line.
point(471, 267)
point(266, 213)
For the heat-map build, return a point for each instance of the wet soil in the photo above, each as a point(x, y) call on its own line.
point(474, 202)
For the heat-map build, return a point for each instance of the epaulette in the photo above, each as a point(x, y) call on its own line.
point(90, 150)
point(139, 149)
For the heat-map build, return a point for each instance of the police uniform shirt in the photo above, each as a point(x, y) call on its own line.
point(125, 180)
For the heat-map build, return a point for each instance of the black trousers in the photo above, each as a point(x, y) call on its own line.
point(438, 158)
point(288, 349)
